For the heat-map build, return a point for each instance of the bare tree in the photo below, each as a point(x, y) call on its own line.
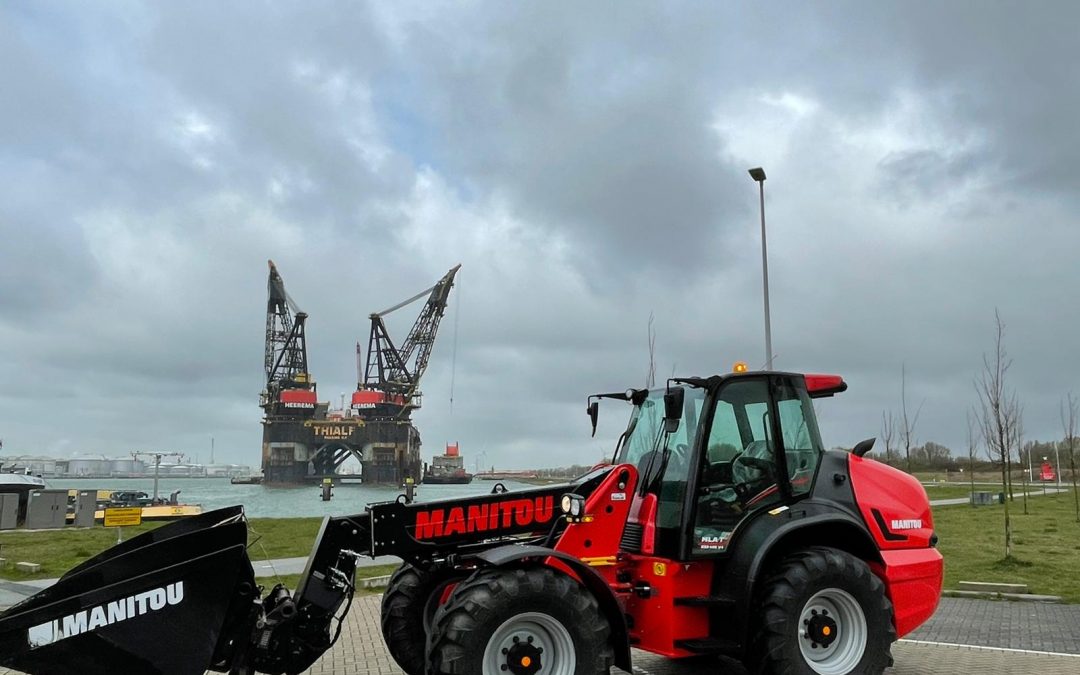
point(998, 415)
point(1069, 407)
point(888, 434)
point(1018, 442)
point(933, 454)
point(650, 376)
point(973, 449)
point(907, 431)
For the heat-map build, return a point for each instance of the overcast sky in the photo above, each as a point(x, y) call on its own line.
point(584, 162)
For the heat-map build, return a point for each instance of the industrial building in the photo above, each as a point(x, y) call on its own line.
point(100, 466)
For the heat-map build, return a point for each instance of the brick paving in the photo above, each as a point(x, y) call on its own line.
point(1012, 625)
point(1052, 628)
point(361, 650)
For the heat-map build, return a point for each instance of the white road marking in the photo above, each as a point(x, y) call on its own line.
point(989, 649)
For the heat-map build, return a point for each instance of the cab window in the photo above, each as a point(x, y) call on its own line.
point(802, 441)
point(663, 460)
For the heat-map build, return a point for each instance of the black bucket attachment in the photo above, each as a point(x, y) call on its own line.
point(175, 600)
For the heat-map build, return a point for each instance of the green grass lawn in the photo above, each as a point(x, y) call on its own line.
point(59, 551)
point(273, 538)
point(954, 490)
point(1046, 545)
point(948, 491)
point(56, 550)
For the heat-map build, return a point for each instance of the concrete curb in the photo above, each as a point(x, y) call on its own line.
point(1015, 597)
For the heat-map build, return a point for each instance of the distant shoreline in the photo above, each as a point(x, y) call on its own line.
point(138, 477)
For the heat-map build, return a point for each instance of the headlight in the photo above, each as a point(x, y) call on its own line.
point(573, 506)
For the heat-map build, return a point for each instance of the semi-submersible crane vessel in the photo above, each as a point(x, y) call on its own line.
point(303, 439)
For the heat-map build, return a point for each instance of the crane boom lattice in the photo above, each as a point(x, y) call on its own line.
point(398, 371)
point(285, 357)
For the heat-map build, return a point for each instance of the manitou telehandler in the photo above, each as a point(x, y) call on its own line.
point(722, 527)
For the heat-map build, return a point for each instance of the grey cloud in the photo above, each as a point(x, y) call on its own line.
point(154, 157)
point(1008, 72)
point(608, 145)
point(921, 175)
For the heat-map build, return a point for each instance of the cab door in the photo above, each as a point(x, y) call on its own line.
point(759, 451)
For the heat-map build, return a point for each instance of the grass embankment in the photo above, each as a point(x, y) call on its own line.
point(57, 551)
point(1046, 544)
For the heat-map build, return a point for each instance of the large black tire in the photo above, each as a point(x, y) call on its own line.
point(408, 607)
point(796, 635)
point(520, 603)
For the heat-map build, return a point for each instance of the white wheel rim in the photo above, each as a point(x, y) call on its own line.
point(832, 613)
point(541, 632)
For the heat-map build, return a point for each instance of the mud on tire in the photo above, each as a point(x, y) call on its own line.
point(496, 605)
point(791, 616)
point(408, 607)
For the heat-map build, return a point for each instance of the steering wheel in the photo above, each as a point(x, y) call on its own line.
point(759, 463)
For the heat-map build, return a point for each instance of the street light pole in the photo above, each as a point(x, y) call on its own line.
point(758, 175)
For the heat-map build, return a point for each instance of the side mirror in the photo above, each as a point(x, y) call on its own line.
point(863, 447)
point(594, 413)
point(673, 409)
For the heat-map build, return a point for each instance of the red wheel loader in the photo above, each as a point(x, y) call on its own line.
point(721, 528)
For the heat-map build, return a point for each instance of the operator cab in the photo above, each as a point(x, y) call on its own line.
point(744, 443)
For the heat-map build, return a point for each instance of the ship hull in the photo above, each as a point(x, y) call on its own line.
point(303, 450)
point(448, 480)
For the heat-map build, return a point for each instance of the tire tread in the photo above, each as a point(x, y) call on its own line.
point(486, 592)
point(782, 591)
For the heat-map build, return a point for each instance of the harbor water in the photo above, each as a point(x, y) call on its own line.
point(261, 501)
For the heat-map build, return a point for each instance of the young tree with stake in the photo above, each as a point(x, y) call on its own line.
point(998, 415)
point(1069, 407)
point(888, 434)
point(973, 449)
point(907, 431)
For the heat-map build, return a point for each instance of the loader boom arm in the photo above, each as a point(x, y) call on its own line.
point(182, 599)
